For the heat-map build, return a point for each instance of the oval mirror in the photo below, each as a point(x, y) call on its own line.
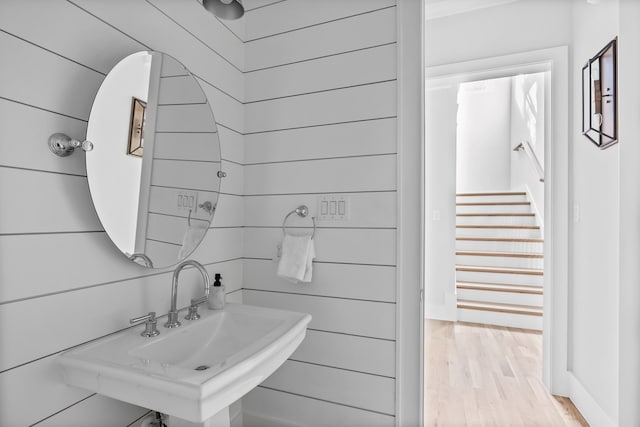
point(153, 169)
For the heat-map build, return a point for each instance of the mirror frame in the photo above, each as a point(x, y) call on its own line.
point(606, 71)
point(187, 195)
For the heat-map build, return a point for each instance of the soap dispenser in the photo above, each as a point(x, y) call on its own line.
point(217, 295)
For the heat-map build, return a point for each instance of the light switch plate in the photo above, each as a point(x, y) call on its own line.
point(333, 207)
point(187, 200)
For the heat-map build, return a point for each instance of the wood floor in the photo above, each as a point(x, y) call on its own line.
point(480, 375)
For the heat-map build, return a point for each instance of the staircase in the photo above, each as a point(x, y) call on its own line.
point(499, 260)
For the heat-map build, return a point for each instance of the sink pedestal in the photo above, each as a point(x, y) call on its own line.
point(221, 419)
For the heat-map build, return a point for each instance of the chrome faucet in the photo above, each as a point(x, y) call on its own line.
point(145, 260)
point(173, 312)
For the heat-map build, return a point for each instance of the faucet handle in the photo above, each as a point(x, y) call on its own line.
point(150, 325)
point(193, 308)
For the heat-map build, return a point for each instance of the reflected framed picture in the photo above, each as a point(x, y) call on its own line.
point(135, 145)
point(600, 97)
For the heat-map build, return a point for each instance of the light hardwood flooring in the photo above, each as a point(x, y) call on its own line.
point(481, 375)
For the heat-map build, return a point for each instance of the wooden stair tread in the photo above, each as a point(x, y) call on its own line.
point(494, 204)
point(504, 193)
point(501, 254)
point(500, 270)
point(514, 227)
point(497, 214)
point(503, 239)
point(500, 307)
point(500, 287)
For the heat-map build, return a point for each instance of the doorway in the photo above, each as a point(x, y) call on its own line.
point(440, 290)
point(499, 203)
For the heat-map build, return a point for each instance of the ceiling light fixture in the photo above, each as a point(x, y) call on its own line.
point(225, 9)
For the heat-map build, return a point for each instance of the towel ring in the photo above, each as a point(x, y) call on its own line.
point(302, 211)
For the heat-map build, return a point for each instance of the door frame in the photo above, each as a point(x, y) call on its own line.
point(555, 372)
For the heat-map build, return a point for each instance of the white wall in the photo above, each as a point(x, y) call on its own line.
point(629, 294)
point(186, 158)
point(595, 182)
point(594, 257)
point(515, 27)
point(528, 100)
point(62, 282)
point(130, 78)
point(528, 111)
point(318, 116)
point(440, 200)
point(483, 154)
point(321, 119)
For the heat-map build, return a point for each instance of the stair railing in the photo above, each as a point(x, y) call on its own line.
point(526, 147)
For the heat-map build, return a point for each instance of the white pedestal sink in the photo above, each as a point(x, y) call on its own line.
point(192, 372)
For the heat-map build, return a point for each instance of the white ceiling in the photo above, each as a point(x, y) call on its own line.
point(441, 8)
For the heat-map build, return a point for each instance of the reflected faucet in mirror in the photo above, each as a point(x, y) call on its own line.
point(141, 259)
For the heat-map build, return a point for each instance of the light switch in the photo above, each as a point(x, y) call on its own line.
point(187, 200)
point(333, 207)
point(324, 207)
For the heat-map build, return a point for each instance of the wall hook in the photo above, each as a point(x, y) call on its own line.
point(207, 207)
point(62, 145)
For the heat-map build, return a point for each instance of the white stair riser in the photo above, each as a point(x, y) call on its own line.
point(493, 208)
point(508, 279)
point(500, 319)
point(498, 261)
point(491, 199)
point(498, 246)
point(533, 300)
point(495, 220)
point(504, 233)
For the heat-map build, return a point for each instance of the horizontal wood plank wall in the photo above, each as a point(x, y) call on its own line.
point(62, 282)
point(187, 148)
point(321, 119)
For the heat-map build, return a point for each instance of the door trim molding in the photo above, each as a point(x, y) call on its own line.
point(556, 238)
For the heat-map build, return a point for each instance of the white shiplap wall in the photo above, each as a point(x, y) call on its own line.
point(185, 157)
point(321, 119)
point(62, 282)
point(304, 94)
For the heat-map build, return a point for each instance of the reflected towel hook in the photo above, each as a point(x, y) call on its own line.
point(205, 206)
point(302, 211)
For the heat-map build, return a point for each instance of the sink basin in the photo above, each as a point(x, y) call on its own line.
point(194, 371)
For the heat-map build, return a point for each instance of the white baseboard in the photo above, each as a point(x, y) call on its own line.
point(586, 404)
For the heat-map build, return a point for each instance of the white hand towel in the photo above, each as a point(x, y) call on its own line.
point(295, 263)
point(192, 237)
